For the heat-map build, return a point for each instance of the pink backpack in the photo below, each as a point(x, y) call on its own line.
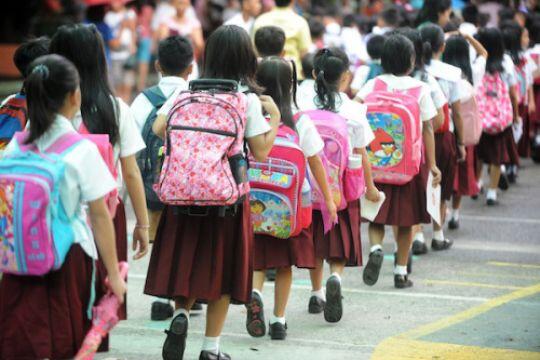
point(204, 162)
point(280, 198)
point(394, 116)
point(106, 151)
point(493, 99)
point(472, 122)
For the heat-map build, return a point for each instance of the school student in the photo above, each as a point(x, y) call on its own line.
point(46, 316)
point(277, 77)
point(210, 257)
point(306, 89)
point(102, 113)
point(341, 245)
point(372, 68)
point(405, 205)
point(270, 41)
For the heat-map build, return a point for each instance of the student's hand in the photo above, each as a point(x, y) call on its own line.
point(462, 155)
point(437, 176)
point(117, 286)
point(270, 106)
point(332, 210)
point(140, 240)
point(532, 107)
point(372, 194)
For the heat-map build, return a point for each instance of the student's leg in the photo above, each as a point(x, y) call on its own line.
point(175, 343)
point(216, 313)
point(258, 280)
point(419, 246)
point(376, 256)
point(316, 275)
point(454, 217)
point(317, 300)
point(255, 323)
point(404, 241)
point(184, 303)
point(439, 242)
point(494, 176)
point(282, 291)
point(337, 266)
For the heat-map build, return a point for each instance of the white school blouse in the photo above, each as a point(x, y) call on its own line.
point(86, 179)
point(448, 77)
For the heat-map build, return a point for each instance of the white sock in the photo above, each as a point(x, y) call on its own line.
point(181, 311)
point(258, 293)
point(211, 344)
point(375, 248)
point(455, 214)
point(400, 270)
point(491, 194)
point(480, 183)
point(337, 276)
point(419, 237)
point(438, 235)
point(503, 169)
point(274, 319)
point(319, 293)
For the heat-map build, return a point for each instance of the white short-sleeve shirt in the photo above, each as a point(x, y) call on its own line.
point(437, 95)
point(478, 68)
point(311, 142)
point(509, 71)
point(448, 77)
point(86, 179)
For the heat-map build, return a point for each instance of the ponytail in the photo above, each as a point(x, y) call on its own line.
point(51, 78)
point(329, 65)
point(427, 52)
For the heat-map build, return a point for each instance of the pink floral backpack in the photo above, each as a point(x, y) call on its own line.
point(493, 99)
point(204, 162)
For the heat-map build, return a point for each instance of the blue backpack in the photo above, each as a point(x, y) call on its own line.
point(13, 118)
point(148, 159)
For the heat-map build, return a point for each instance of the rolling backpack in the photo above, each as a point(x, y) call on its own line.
point(280, 198)
point(394, 116)
point(13, 117)
point(472, 122)
point(35, 230)
point(148, 158)
point(493, 99)
point(204, 162)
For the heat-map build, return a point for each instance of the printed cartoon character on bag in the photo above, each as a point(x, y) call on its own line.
point(385, 149)
point(257, 209)
point(6, 224)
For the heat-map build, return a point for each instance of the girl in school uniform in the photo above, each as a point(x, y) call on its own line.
point(102, 113)
point(405, 205)
point(341, 246)
point(210, 258)
point(457, 53)
point(496, 150)
point(449, 147)
point(276, 76)
point(45, 317)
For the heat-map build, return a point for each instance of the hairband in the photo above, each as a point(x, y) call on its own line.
point(42, 70)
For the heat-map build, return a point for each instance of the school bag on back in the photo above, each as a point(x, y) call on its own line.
point(148, 158)
point(494, 104)
point(472, 122)
point(521, 85)
point(280, 198)
point(394, 116)
point(13, 118)
point(35, 230)
point(204, 163)
point(375, 69)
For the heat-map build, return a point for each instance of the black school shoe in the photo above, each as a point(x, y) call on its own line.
point(419, 247)
point(161, 311)
point(453, 224)
point(208, 355)
point(409, 262)
point(175, 343)
point(503, 182)
point(277, 331)
point(316, 305)
point(492, 202)
point(439, 245)
point(196, 309)
point(255, 324)
point(333, 310)
point(271, 274)
point(373, 268)
point(402, 282)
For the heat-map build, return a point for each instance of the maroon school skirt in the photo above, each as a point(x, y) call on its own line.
point(45, 317)
point(524, 144)
point(343, 241)
point(446, 155)
point(465, 183)
point(270, 252)
point(202, 257)
point(498, 149)
point(405, 205)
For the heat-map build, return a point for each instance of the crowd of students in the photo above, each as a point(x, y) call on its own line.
point(373, 120)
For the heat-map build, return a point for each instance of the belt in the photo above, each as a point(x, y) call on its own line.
point(221, 211)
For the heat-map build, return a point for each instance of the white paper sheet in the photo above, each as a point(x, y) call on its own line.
point(370, 209)
point(433, 200)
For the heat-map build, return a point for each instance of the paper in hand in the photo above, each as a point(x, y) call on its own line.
point(433, 200)
point(370, 209)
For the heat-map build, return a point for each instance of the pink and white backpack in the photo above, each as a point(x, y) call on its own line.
point(472, 122)
point(280, 196)
point(494, 104)
point(394, 116)
point(204, 163)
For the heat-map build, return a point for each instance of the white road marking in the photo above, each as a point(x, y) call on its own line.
point(501, 219)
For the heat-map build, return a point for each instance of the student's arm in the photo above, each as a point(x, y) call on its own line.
point(532, 102)
point(103, 229)
point(458, 124)
point(438, 120)
point(477, 46)
point(515, 101)
point(261, 145)
point(429, 147)
point(317, 169)
point(372, 193)
point(160, 125)
point(135, 187)
point(198, 41)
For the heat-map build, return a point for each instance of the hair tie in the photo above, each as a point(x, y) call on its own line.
point(42, 70)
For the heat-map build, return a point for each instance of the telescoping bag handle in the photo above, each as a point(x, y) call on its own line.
point(213, 84)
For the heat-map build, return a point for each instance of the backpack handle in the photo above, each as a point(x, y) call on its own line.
point(380, 85)
point(213, 84)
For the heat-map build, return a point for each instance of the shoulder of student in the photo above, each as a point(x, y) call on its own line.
point(444, 71)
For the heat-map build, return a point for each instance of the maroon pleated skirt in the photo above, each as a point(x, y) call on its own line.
point(524, 144)
point(446, 157)
point(202, 257)
point(465, 183)
point(45, 317)
point(343, 241)
point(498, 149)
point(405, 205)
point(270, 252)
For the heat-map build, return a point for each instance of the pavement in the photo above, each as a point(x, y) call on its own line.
point(480, 300)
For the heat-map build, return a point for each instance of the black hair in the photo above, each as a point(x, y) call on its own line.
point(506, 14)
point(430, 11)
point(229, 54)
point(391, 16)
point(50, 79)
point(433, 38)
point(457, 53)
point(96, 13)
point(349, 20)
point(398, 56)
point(175, 54)
point(375, 46)
point(511, 32)
point(470, 14)
point(283, 3)
point(307, 65)
point(83, 45)
point(329, 64)
point(492, 40)
point(29, 51)
point(534, 32)
point(316, 28)
point(414, 36)
point(269, 41)
point(278, 77)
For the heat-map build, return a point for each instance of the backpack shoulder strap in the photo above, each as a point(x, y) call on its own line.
point(155, 96)
point(65, 142)
point(379, 85)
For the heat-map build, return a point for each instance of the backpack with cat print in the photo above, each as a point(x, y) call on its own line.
point(493, 99)
point(13, 118)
